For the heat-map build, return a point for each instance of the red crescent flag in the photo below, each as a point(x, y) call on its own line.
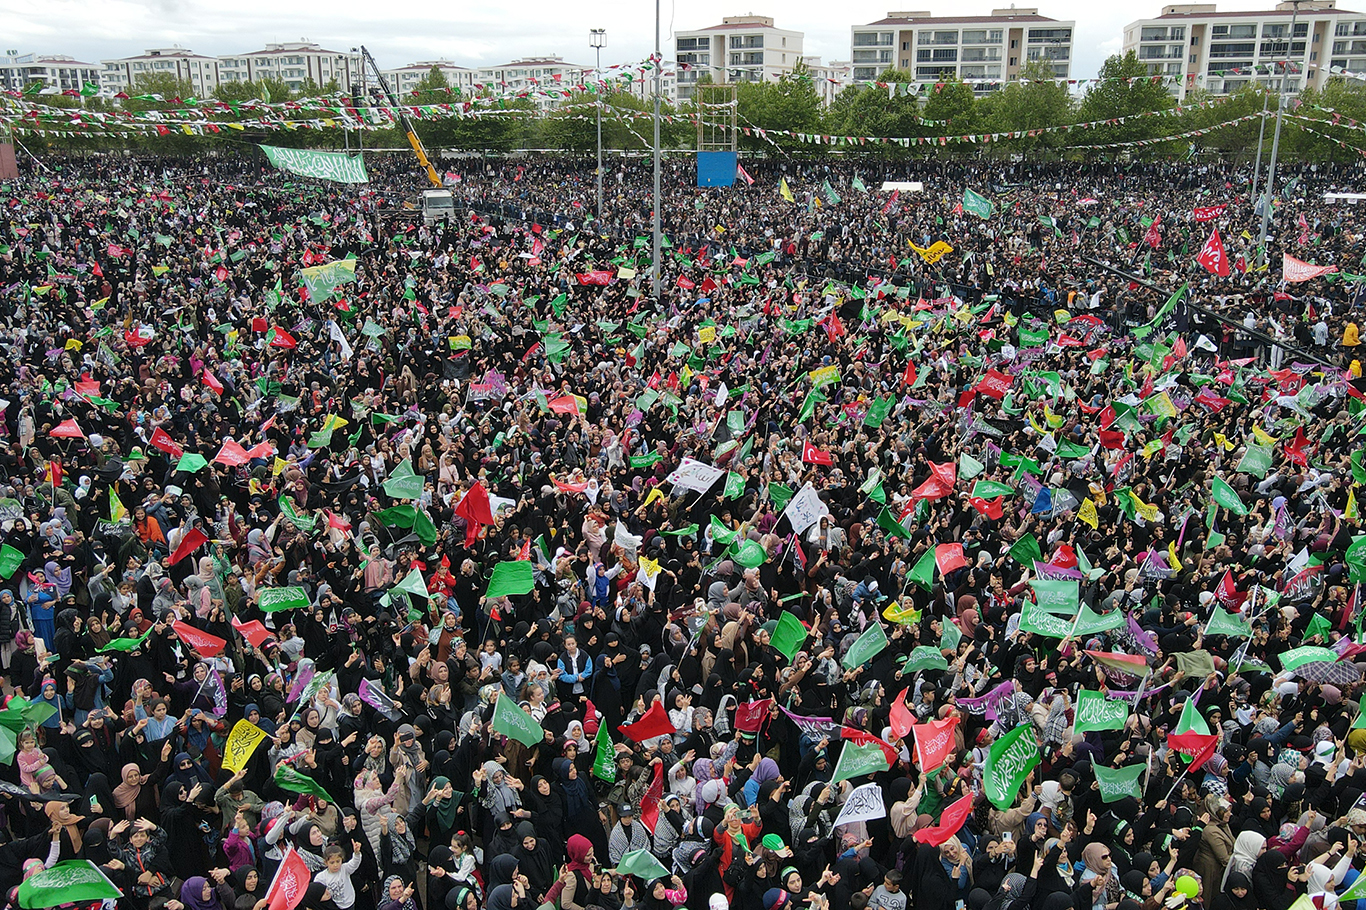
point(1199, 747)
point(204, 644)
point(813, 455)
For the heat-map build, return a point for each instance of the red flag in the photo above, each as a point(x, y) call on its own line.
point(1208, 212)
point(946, 472)
point(863, 737)
point(933, 488)
point(655, 722)
point(813, 455)
point(833, 327)
point(649, 803)
point(909, 376)
point(1230, 598)
point(1153, 237)
point(934, 743)
point(995, 383)
point(902, 720)
point(283, 339)
point(193, 540)
point(749, 181)
point(993, 509)
point(749, 717)
point(291, 882)
point(162, 440)
point(68, 429)
point(474, 508)
point(1212, 256)
point(254, 632)
point(524, 554)
point(1199, 747)
point(212, 382)
point(232, 454)
point(950, 822)
point(1111, 439)
point(203, 643)
point(1295, 449)
point(564, 404)
point(261, 449)
point(949, 557)
point(1293, 269)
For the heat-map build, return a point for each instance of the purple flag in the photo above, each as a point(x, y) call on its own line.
point(214, 683)
point(814, 727)
point(1283, 525)
point(1144, 639)
point(379, 700)
point(300, 683)
point(1050, 572)
point(1131, 695)
point(986, 704)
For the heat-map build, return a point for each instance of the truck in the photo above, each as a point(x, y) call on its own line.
point(437, 205)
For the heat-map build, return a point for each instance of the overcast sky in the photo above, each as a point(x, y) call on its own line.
point(474, 34)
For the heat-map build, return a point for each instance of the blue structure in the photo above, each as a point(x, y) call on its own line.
point(716, 168)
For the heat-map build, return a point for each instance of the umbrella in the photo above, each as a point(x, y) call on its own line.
point(1326, 673)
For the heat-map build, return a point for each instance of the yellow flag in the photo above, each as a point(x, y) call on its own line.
point(902, 616)
point(1245, 235)
point(1263, 437)
point(706, 334)
point(784, 191)
point(73, 344)
point(280, 465)
point(1087, 513)
point(1152, 448)
point(936, 252)
point(1222, 442)
point(1171, 552)
point(333, 422)
point(1161, 404)
point(1145, 511)
point(651, 569)
point(1054, 420)
point(1351, 510)
point(1037, 427)
point(625, 273)
point(656, 493)
point(242, 741)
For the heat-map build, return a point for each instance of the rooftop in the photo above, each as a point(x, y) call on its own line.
point(1013, 15)
point(300, 47)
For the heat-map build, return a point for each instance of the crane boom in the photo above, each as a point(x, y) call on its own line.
point(413, 141)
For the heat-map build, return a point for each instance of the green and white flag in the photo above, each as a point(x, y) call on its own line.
point(1228, 497)
point(403, 482)
point(323, 280)
point(287, 778)
point(857, 761)
point(1116, 785)
point(1011, 759)
point(1060, 596)
point(338, 167)
point(976, 204)
point(831, 196)
point(604, 756)
point(292, 597)
point(70, 882)
point(1035, 619)
point(870, 644)
point(1096, 712)
point(1089, 622)
point(514, 723)
point(1222, 622)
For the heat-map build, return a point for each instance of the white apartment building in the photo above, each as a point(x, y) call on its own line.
point(1196, 46)
point(404, 79)
point(294, 63)
point(201, 72)
point(642, 85)
point(740, 49)
point(53, 70)
point(985, 50)
point(830, 78)
point(529, 74)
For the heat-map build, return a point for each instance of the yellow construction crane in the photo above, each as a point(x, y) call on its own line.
point(415, 142)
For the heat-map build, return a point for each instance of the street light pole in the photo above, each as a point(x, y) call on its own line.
point(1261, 133)
point(654, 269)
point(598, 40)
point(1276, 135)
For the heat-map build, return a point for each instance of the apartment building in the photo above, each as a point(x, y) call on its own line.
point(121, 75)
point(740, 49)
point(527, 74)
point(406, 78)
point(294, 63)
point(830, 78)
point(1196, 46)
point(984, 50)
point(52, 70)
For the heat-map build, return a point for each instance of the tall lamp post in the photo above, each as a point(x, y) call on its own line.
point(597, 39)
point(654, 267)
point(1276, 136)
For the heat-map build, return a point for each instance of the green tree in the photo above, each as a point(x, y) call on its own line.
point(867, 110)
point(790, 103)
point(952, 105)
point(1124, 88)
point(1036, 101)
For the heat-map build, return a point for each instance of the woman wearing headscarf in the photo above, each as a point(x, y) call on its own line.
point(547, 805)
point(443, 810)
point(766, 770)
point(397, 847)
point(249, 887)
point(372, 801)
point(441, 881)
point(200, 893)
point(1246, 848)
point(497, 794)
point(1216, 844)
point(135, 796)
point(1237, 894)
point(941, 875)
point(59, 814)
point(534, 860)
point(1271, 883)
point(397, 896)
point(1321, 881)
point(1098, 885)
point(181, 818)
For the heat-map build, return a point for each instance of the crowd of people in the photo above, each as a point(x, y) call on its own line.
point(447, 562)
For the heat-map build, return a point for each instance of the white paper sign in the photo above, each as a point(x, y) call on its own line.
point(695, 475)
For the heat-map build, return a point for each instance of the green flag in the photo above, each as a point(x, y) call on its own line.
point(403, 482)
point(191, 462)
point(604, 756)
point(1026, 550)
point(1298, 657)
point(789, 635)
point(124, 644)
point(877, 412)
point(287, 778)
point(1096, 712)
point(857, 761)
point(1089, 622)
point(887, 522)
point(976, 204)
point(643, 865)
point(923, 573)
point(925, 657)
point(781, 494)
point(70, 882)
point(1256, 460)
point(510, 578)
point(1116, 785)
point(1035, 619)
point(990, 489)
point(1222, 622)
point(969, 467)
point(274, 600)
point(1191, 719)
point(751, 554)
point(1011, 759)
point(735, 486)
point(1058, 596)
point(10, 560)
point(514, 723)
point(869, 645)
point(1227, 497)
